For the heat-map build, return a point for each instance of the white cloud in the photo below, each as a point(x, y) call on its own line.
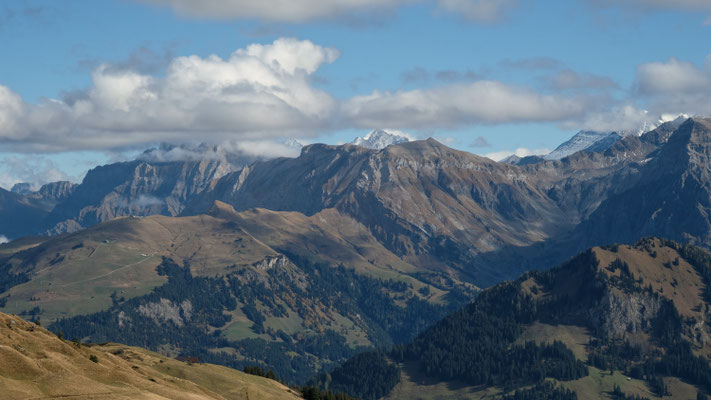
point(34, 170)
point(672, 76)
point(479, 10)
point(480, 102)
point(4, 239)
point(675, 86)
point(260, 92)
point(520, 152)
point(620, 118)
point(263, 93)
point(11, 108)
point(306, 10)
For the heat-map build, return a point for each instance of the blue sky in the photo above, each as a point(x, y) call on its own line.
point(88, 82)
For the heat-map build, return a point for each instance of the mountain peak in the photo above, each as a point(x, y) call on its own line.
point(584, 140)
point(694, 130)
point(379, 139)
point(21, 188)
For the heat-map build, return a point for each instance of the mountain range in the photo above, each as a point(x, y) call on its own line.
point(435, 207)
point(301, 263)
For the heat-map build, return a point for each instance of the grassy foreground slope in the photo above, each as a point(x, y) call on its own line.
point(35, 364)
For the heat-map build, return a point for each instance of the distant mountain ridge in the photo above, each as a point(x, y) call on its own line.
point(598, 141)
point(432, 205)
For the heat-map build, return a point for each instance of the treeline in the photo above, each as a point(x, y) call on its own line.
point(9, 279)
point(344, 289)
point(294, 357)
point(368, 376)
point(476, 344)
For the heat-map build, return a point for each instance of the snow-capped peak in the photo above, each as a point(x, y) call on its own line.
point(379, 139)
point(584, 140)
point(595, 141)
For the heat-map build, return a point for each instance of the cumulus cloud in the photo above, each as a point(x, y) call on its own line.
point(480, 102)
point(626, 117)
point(259, 92)
point(307, 10)
point(675, 86)
point(4, 239)
point(34, 170)
point(673, 76)
point(238, 153)
point(264, 92)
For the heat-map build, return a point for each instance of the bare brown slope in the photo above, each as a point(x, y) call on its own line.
point(76, 274)
point(35, 364)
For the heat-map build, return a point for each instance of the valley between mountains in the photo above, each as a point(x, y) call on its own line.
point(305, 265)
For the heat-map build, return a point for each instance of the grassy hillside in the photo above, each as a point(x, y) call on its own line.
point(76, 274)
point(299, 293)
point(615, 319)
point(34, 363)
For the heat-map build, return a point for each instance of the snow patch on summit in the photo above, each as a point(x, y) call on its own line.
point(379, 139)
point(584, 140)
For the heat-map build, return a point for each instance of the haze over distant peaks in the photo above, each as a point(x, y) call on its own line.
point(379, 139)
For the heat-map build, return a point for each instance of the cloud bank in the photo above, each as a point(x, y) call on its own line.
point(259, 92)
point(264, 93)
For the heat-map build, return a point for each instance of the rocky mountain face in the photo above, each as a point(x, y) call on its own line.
point(21, 188)
point(452, 211)
point(425, 202)
point(670, 195)
point(18, 212)
point(443, 210)
point(160, 181)
point(134, 188)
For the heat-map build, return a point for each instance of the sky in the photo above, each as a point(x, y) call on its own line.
point(89, 82)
